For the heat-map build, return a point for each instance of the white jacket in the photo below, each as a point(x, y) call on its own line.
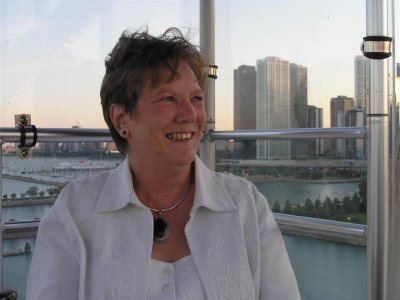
point(96, 241)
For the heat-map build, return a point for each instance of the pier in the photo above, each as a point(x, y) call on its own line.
point(28, 201)
point(26, 250)
point(34, 180)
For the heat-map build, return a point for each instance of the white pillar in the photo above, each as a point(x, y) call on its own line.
point(378, 160)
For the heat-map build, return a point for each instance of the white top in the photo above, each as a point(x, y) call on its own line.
point(96, 242)
point(177, 280)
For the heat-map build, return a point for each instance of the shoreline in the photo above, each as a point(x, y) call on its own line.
point(33, 180)
point(289, 229)
point(266, 178)
point(28, 201)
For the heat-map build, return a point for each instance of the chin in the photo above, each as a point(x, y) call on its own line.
point(184, 160)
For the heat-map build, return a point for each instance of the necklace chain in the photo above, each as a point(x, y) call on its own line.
point(160, 211)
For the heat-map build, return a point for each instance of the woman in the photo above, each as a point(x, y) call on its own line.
point(161, 225)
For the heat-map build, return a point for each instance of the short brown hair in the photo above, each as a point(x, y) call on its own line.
point(138, 56)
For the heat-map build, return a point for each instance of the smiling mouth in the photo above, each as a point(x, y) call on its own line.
point(181, 136)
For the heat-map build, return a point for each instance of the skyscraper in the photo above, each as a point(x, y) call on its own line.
point(351, 148)
point(273, 105)
point(298, 96)
point(244, 110)
point(361, 81)
point(244, 95)
point(315, 120)
point(340, 104)
point(298, 106)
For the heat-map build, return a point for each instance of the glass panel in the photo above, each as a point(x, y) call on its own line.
point(296, 64)
point(52, 63)
point(320, 187)
point(328, 270)
point(52, 53)
point(278, 57)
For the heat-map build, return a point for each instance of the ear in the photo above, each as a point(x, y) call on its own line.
point(119, 119)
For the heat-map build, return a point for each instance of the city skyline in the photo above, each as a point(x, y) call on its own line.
point(67, 42)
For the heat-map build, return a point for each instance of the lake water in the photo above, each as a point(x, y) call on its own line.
point(274, 191)
point(11, 186)
point(324, 270)
point(298, 192)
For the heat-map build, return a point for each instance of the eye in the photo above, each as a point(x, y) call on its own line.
point(167, 99)
point(197, 98)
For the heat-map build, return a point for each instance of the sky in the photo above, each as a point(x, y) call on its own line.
point(52, 52)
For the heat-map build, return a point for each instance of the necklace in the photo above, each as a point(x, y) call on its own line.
point(161, 225)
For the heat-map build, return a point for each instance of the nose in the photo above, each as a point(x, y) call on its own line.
point(186, 112)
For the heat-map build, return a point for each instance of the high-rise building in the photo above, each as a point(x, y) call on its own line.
point(298, 107)
point(315, 120)
point(361, 81)
point(340, 103)
point(351, 148)
point(244, 95)
point(273, 105)
point(298, 96)
point(244, 110)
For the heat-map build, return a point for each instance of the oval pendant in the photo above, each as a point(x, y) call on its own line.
point(161, 229)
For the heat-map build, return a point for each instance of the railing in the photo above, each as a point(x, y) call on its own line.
point(287, 223)
point(12, 135)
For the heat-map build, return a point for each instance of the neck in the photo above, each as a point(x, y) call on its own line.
point(160, 187)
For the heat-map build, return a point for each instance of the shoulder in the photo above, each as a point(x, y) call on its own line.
point(234, 183)
point(245, 194)
point(90, 185)
point(80, 196)
point(238, 185)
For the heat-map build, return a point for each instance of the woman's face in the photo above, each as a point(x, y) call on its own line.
point(166, 125)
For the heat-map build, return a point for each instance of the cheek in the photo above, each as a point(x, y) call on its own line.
point(201, 116)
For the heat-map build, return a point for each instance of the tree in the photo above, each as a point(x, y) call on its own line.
point(309, 206)
point(32, 191)
point(317, 204)
point(13, 195)
point(288, 209)
point(328, 208)
point(356, 201)
point(277, 207)
point(348, 206)
point(362, 187)
point(337, 205)
point(317, 207)
point(300, 211)
point(41, 194)
point(53, 191)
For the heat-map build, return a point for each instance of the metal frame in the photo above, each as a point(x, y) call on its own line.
point(378, 160)
point(1, 214)
point(12, 135)
point(378, 139)
point(207, 46)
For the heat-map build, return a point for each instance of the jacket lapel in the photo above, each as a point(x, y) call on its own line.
point(216, 239)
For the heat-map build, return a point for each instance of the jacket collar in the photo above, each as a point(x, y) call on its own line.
point(117, 191)
point(209, 192)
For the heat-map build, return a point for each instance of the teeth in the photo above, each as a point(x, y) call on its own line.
point(179, 136)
